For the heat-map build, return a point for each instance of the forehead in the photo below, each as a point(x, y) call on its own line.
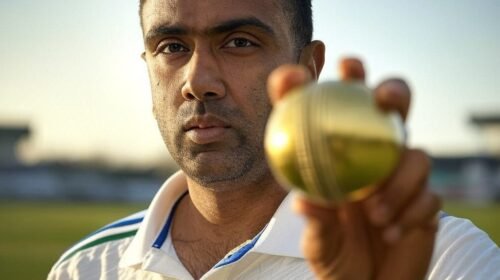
point(198, 15)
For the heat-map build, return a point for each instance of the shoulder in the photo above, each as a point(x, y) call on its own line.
point(463, 251)
point(106, 244)
point(455, 232)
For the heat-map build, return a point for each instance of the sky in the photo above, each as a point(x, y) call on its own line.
point(72, 71)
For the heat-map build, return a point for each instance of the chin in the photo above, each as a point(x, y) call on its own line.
point(208, 174)
point(228, 176)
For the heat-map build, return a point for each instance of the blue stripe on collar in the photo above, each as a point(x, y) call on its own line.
point(164, 231)
point(240, 253)
point(443, 214)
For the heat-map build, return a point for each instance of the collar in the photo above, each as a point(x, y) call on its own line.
point(154, 220)
point(280, 237)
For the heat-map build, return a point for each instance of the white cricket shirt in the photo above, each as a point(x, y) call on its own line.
point(140, 247)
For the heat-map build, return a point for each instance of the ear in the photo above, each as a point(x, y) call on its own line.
point(143, 56)
point(312, 56)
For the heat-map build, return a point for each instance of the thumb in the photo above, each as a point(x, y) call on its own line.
point(285, 78)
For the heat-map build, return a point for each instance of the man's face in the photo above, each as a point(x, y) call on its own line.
point(208, 63)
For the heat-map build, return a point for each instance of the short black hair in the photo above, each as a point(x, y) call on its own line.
point(301, 22)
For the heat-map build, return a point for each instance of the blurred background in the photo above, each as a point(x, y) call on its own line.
point(79, 146)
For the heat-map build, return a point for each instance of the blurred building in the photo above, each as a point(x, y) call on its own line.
point(9, 138)
point(69, 180)
point(472, 177)
point(489, 126)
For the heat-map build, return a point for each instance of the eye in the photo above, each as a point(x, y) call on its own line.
point(239, 43)
point(173, 48)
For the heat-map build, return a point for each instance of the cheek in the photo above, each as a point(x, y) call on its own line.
point(165, 110)
point(165, 95)
point(253, 98)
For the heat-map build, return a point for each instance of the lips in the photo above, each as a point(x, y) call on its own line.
point(205, 129)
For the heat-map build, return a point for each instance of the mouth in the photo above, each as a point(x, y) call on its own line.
point(205, 129)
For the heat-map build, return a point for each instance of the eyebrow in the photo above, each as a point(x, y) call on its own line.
point(239, 23)
point(223, 27)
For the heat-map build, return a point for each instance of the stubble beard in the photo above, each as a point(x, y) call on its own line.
point(236, 167)
point(242, 169)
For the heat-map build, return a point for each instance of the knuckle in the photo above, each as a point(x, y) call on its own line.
point(423, 211)
point(421, 158)
point(432, 207)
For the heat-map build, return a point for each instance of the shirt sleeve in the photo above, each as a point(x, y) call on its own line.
point(463, 251)
point(59, 273)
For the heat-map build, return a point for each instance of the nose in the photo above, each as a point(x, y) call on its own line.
point(203, 79)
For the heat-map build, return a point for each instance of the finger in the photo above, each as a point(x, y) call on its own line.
point(319, 246)
point(351, 68)
point(356, 250)
point(320, 241)
point(410, 258)
point(406, 182)
point(422, 211)
point(394, 95)
point(285, 78)
point(354, 223)
point(325, 222)
point(335, 241)
point(312, 210)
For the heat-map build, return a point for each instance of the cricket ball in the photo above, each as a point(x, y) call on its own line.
point(331, 142)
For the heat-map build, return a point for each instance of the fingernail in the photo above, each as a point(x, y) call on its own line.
point(392, 234)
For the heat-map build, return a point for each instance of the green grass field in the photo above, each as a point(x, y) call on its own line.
point(33, 235)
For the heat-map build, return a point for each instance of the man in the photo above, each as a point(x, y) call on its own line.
point(224, 216)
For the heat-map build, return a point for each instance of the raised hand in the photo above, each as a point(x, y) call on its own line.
point(389, 235)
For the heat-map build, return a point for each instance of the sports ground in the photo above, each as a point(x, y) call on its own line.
point(34, 234)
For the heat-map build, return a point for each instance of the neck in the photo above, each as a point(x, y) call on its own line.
point(219, 221)
point(244, 209)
